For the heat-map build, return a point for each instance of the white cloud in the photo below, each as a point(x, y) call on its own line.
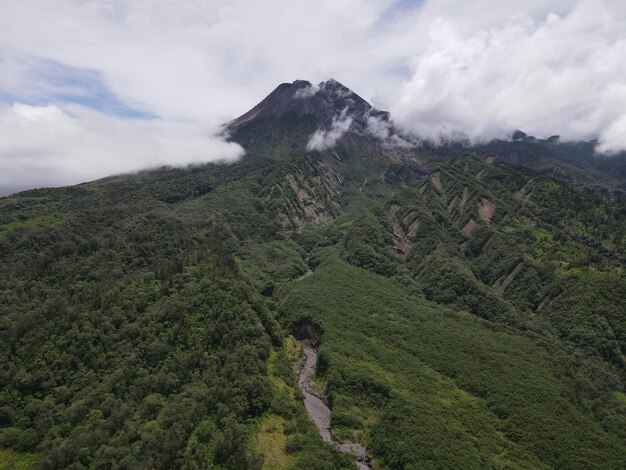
point(540, 71)
point(195, 59)
point(613, 139)
point(323, 139)
point(307, 91)
point(46, 145)
point(379, 128)
point(383, 130)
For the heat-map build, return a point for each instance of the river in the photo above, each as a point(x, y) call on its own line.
point(317, 407)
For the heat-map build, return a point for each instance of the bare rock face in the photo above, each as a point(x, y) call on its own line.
point(307, 193)
point(486, 209)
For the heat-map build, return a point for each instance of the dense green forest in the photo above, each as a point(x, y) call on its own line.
point(131, 336)
point(472, 313)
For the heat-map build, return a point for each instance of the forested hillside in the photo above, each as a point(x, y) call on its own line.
point(471, 313)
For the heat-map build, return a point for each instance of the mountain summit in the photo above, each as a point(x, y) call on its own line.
point(319, 115)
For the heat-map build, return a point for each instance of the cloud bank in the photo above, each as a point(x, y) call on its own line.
point(307, 91)
point(179, 69)
point(555, 72)
point(383, 130)
point(46, 145)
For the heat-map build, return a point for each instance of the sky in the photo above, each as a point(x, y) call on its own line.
point(90, 88)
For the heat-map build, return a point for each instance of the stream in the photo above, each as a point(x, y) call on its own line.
point(318, 410)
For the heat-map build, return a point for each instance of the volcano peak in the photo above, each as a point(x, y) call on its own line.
point(294, 111)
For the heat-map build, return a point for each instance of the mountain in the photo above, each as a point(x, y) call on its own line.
point(574, 163)
point(294, 111)
point(466, 304)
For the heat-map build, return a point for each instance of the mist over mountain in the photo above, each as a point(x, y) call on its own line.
point(77, 105)
point(319, 117)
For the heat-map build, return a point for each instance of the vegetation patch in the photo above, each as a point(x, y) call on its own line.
point(13, 460)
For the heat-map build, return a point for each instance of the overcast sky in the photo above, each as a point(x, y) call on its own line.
point(92, 88)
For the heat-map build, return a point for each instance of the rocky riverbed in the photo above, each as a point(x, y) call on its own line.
point(317, 407)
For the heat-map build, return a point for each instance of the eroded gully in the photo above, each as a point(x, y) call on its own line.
point(318, 410)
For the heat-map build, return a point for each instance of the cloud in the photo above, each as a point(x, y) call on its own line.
point(47, 145)
point(613, 139)
point(306, 92)
point(549, 72)
point(324, 139)
point(196, 60)
point(383, 130)
point(379, 128)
